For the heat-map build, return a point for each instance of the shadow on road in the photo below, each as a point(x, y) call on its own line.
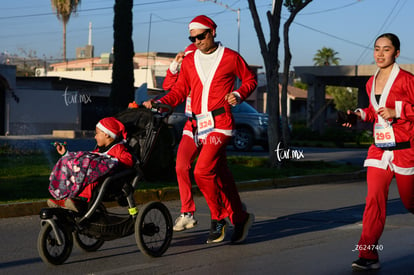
point(314, 221)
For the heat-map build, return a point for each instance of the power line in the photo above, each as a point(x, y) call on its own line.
point(378, 32)
point(83, 10)
point(331, 9)
point(345, 40)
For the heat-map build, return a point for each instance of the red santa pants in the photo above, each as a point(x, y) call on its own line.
point(373, 221)
point(212, 176)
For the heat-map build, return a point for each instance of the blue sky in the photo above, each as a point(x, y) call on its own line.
point(347, 26)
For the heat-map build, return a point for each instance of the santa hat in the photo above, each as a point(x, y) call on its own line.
point(202, 22)
point(112, 127)
point(190, 48)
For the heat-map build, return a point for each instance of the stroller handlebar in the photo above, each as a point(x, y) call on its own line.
point(164, 110)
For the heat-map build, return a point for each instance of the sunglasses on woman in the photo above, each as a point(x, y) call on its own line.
point(200, 37)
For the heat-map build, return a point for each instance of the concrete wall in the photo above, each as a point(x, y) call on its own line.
point(105, 76)
point(42, 111)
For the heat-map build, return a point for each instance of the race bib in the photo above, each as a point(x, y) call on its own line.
point(384, 136)
point(205, 124)
point(188, 111)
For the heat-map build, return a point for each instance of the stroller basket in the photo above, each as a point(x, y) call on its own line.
point(109, 227)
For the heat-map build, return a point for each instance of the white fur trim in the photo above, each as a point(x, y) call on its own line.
point(238, 96)
point(188, 133)
point(105, 130)
point(383, 163)
point(197, 26)
point(398, 109)
point(174, 67)
point(187, 52)
point(363, 114)
point(224, 132)
point(387, 161)
point(385, 92)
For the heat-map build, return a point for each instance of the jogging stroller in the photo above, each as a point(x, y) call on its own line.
point(148, 136)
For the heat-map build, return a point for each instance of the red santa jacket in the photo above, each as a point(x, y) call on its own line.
point(208, 90)
point(169, 80)
point(400, 96)
point(120, 152)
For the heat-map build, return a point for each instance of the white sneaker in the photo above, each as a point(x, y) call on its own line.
point(185, 221)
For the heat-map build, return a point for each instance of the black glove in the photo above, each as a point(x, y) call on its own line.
point(343, 117)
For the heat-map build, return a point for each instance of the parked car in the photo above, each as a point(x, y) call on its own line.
point(251, 126)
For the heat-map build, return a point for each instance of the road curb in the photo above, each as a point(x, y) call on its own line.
point(172, 193)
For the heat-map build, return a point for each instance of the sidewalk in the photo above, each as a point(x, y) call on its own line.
point(171, 193)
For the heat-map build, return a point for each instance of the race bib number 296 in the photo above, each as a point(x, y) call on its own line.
point(384, 136)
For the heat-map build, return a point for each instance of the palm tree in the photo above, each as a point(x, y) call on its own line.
point(63, 10)
point(326, 57)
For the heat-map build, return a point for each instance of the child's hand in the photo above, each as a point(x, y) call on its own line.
point(60, 147)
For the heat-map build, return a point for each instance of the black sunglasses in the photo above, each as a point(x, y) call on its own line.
point(200, 37)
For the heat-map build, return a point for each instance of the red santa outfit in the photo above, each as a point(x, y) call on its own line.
point(117, 149)
point(186, 154)
point(210, 77)
point(395, 157)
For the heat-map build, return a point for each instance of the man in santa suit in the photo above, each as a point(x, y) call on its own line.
point(210, 73)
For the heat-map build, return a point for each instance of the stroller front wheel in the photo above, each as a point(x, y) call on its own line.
point(153, 229)
point(48, 246)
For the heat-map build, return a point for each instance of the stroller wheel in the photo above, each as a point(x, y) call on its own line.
point(48, 247)
point(153, 229)
point(86, 243)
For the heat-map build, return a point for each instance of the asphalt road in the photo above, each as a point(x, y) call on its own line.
point(298, 230)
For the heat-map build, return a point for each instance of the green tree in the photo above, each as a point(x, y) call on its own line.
point(326, 57)
point(300, 85)
point(63, 10)
point(122, 87)
point(271, 62)
point(345, 98)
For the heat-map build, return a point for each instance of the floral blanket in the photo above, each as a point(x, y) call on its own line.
point(76, 170)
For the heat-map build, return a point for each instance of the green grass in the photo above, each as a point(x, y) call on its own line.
point(26, 177)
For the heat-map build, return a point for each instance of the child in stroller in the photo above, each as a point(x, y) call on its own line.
point(151, 223)
point(76, 174)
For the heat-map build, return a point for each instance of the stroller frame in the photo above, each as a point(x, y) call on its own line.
point(151, 224)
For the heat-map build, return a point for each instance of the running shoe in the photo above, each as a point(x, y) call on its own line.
point(185, 221)
point(217, 231)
